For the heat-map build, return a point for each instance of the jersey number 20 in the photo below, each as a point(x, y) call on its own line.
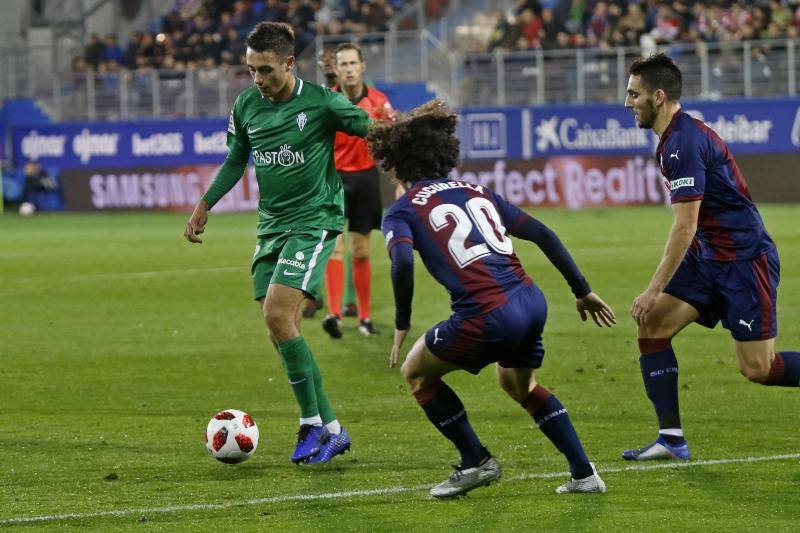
point(484, 214)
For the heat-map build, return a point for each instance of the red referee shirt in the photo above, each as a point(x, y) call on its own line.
point(351, 153)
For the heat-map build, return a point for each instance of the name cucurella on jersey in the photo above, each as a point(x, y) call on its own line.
point(285, 157)
point(421, 197)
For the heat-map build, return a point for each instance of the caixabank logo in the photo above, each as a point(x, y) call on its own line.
point(570, 133)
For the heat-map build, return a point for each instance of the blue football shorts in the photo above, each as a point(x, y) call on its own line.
point(743, 295)
point(510, 335)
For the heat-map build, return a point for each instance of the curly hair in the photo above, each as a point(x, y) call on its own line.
point(420, 145)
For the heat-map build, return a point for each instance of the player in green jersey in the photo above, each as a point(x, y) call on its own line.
point(289, 125)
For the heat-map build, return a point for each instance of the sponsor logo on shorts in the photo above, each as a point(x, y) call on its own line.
point(299, 256)
point(683, 182)
point(287, 273)
point(748, 325)
point(292, 262)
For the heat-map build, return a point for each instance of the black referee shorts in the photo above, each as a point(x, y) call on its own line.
point(362, 199)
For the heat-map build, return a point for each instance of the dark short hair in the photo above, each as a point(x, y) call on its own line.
point(349, 46)
point(659, 72)
point(421, 145)
point(276, 37)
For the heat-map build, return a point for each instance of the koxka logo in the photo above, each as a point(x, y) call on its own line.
point(301, 121)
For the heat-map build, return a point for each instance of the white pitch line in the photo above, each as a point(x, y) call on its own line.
point(370, 492)
point(123, 275)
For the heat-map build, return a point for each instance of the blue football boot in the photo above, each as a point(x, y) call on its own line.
point(310, 440)
point(336, 444)
point(659, 449)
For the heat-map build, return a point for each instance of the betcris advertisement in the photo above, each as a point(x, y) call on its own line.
point(748, 126)
point(563, 156)
point(122, 144)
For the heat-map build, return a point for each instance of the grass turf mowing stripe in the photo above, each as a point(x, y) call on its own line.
point(370, 492)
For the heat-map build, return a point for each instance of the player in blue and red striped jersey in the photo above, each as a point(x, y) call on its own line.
point(461, 232)
point(719, 263)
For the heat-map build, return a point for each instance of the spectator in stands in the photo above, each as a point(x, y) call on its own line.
point(94, 51)
point(551, 26)
point(633, 24)
point(504, 34)
point(666, 26)
point(530, 29)
point(575, 16)
point(376, 14)
point(598, 23)
point(113, 51)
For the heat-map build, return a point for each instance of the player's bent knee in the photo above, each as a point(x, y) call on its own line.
point(516, 386)
point(654, 331)
point(411, 374)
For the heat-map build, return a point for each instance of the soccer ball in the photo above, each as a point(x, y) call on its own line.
point(26, 209)
point(231, 436)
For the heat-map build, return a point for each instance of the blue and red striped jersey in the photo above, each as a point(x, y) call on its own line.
point(460, 232)
point(697, 165)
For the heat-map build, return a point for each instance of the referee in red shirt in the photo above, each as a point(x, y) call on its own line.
point(361, 182)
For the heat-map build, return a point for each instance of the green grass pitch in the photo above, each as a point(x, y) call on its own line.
point(119, 340)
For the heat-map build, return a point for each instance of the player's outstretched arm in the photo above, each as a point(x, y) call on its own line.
point(524, 226)
point(197, 223)
point(594, 306)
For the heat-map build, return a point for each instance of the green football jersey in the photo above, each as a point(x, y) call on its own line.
point(292, 147)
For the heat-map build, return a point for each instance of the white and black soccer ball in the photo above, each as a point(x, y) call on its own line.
point(26, 209)
point(232, 436)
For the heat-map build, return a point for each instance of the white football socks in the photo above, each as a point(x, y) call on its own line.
point(334, 427)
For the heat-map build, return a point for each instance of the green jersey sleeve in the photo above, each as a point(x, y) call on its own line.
point(235, 162)
point(347, 117)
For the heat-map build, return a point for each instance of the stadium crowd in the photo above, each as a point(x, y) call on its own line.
point(205, 33)
point(552, 24)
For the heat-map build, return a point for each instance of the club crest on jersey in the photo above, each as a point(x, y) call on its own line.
point(301, 121)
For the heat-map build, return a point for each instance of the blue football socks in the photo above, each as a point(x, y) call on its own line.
point(445, 410)
point(551, 417)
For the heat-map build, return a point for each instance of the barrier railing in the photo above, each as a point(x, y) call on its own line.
point(711, 71)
